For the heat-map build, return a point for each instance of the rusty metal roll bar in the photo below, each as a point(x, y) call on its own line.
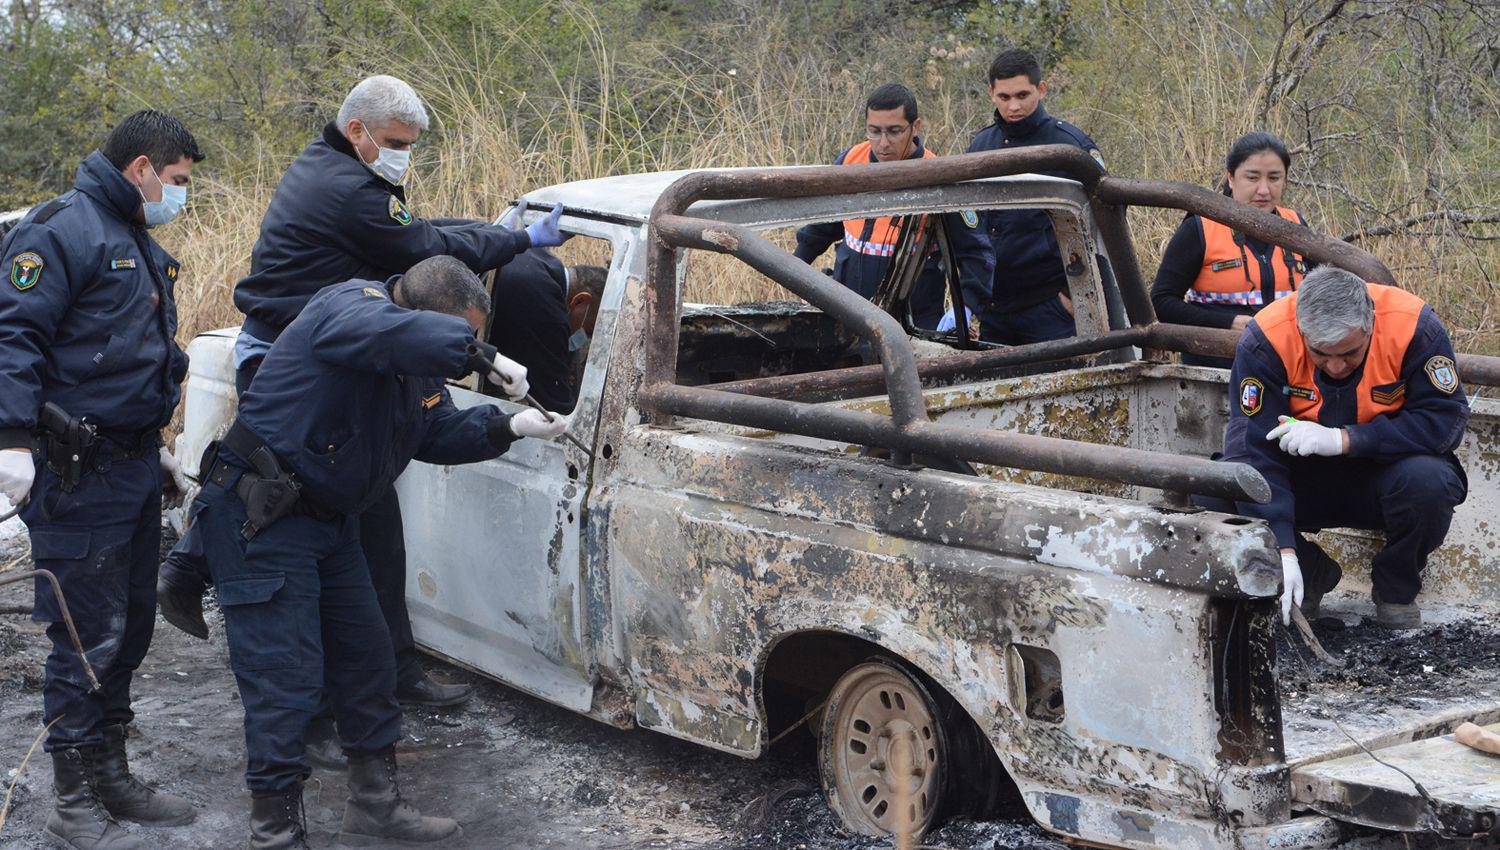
point(907, 430)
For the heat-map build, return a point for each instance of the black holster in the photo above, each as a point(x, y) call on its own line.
point(68, 444)
point(269, 493)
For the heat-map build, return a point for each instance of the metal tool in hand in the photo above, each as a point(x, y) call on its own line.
point(500, 381)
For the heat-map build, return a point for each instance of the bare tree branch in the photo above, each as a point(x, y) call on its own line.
point(1455, 216)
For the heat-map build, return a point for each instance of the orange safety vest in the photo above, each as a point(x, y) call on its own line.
point(1230, 275)
point(870, 236)
point(1380, 387)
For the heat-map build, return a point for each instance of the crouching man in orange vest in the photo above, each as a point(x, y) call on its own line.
point(1345, 396)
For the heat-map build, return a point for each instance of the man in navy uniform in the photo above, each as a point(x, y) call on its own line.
point(893, 130)
point(90, 373)
point(340, 213)
point(1030, 300)
point(350, 393)
point(1345, 396)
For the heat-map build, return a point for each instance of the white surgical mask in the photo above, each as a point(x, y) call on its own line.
point(173, 199)
point(390, 165)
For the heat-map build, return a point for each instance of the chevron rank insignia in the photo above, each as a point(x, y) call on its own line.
point(1388, 393)
point(399, 213)
point(432, 401)
point(26, 270)
point(1443, 373)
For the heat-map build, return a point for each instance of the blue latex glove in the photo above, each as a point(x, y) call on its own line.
point(947, 323)
point(545, 233)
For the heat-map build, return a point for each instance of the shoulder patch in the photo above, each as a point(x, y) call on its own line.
point(432, 401)
point(1252, 396)
point(1443, 373)
point(399, 213)
point(1098, 157)
point(971, 219)
point(373, 292)
point(26, 270)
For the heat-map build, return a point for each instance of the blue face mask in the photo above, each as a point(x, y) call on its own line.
point(173, 199)
point(578, 340)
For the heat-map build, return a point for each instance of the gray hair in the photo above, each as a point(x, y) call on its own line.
point(377, 101)
point(1332, 302)
point(444, 284)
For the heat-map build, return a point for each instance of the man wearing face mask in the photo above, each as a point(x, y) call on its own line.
point(340, 214)
point(90, 373)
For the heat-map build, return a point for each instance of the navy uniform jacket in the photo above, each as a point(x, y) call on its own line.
point(353, 390)
point(1430, 421)
point(529, 324)
point(333, 220)
point(1028, 267)
point(87, 315)
point(863, 272)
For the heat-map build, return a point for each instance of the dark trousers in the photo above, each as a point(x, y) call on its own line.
point(303, 625)
point(1046, 321)
point(102, 542)
point(381, 538)
point(1411, 500)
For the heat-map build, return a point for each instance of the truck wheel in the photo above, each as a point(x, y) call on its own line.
point(882, 744)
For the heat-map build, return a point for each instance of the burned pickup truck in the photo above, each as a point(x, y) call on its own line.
point(974, 572)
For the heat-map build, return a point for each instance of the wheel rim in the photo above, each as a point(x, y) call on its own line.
point(882, 746)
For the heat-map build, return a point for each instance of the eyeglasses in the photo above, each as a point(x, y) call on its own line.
point(874, 134)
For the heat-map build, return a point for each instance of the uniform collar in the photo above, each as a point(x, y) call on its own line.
point(1026, 126)
point(100, 180)
point(336, 140)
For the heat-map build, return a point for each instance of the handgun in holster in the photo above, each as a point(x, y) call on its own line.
point(68, 443)
point(270, 492)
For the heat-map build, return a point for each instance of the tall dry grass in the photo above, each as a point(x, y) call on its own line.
point(1163, 90)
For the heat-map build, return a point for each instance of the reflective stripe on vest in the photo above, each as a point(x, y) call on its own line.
point(876, 237)
point(1396, 313)
point(1231, 274)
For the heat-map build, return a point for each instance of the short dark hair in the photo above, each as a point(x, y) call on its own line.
point(444, 284)
point(892, 95)
point(590, 279)
point(161, 138)
point(1014, 63)
point(1251, 144)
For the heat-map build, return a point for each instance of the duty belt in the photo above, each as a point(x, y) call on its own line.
point(74, 446)
point(269, 490)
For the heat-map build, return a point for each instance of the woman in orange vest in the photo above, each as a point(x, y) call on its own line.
point(1216, 277)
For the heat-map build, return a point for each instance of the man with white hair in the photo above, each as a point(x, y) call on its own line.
point(340, 214)
point(1346, 397)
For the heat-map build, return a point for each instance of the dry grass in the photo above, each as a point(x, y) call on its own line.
point(1163, 92)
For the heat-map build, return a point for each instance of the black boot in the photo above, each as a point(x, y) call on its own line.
point(126, 797)
point(421, 689)
point(278, 821)
point(376, 813)
point(80, 818)
point(181, 605)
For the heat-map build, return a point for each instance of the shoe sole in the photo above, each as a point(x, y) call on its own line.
point(428, 703)
point(356, 840)
point(47, 831)
point(184, 625)
point(179, 821)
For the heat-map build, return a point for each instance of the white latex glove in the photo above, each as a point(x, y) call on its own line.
point(533, 423)
point(947, 323)
point(512, 378)
point(1291, 585)
point(17, 473)
point(512, 218)
point(1307, 438)
point(172, 468)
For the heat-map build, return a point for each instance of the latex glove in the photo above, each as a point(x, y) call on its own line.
point(512, 218)
point(534, 423)
point(17, 473)
point(1307, 438)
point(512, 377)
point(173, 469)
point(947, 323)
point(1291, 585)
point(545, 233)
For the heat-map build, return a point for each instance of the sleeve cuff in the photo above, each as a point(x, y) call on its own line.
point(1360, 440)
point(15, 438)
point(1286, 534)
point(497, 429)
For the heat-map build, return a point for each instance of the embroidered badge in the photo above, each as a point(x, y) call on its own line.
point(172, 271)
point(398, 211)
point(432, 401)
point(1300, 392)
point(126, 263)
point(1227, 264)
point(1443, 373)
point(971, 219)
point(26, 270)
point(373, 292)
point(1252, 394)
point(1388, 393)
point(1094, 152)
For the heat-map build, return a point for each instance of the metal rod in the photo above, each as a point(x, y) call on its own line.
point(569, 434)
point(62, 606)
